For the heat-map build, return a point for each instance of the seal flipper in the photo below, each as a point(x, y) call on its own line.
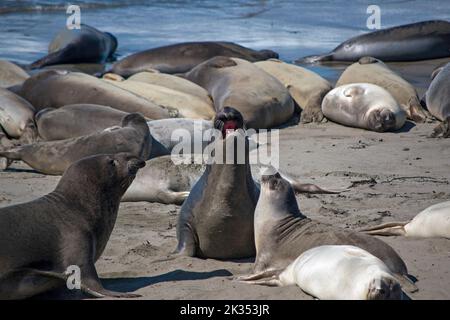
point(312, 112)
point(307, 187)
point(416, 112)
point(315, 58)
point(387, 229)
point(442, 129)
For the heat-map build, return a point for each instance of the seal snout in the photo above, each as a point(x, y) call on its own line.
point(134, 164)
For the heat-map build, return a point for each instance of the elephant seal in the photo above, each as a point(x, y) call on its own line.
point(11, 74)
point(88, 68)
point(84, 45)
point(54, 157)
point(306, 87)
point(282, 233)
point(57, 88)
point(188, 106)
point(42, 239)
point(363, 105)
point(438, 100)
point(434, 221)
point(339, 272)
point(410, 42)
point(182, 57)
point(371, 70)
point(263, 101)
point(16, 116)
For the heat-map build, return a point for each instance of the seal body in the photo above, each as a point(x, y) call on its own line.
point(16, 114)
point(365, 106)
point(342, 272)
point(11, 74)
point(263, 101)
point(42, 239)
point(438, 94)
point(84, 45)
point(56, 88)
point(305, 87)
point(54, 157)
point(370, 70)
point(411, 42)
point(187, 105)
point(182, 57)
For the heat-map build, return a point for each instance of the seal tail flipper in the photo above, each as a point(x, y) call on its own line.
point(315, 58)
point(258, 276)
point(271, 282)
point(406, 283)
point(442, 129)
point(50, 59)
point(416, 112)
point(387, 229)
point(308, 187)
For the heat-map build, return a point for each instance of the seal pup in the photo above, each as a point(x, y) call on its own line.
point(363, 105)
point(410, 42)
point(11, 74)
point(182, 57)
point(434, 221)
point(41, 239)
point(54, 157)
point(339, 272)
point(306, 87)
point(437, 99)
point(188, 106)
point(282, 233)
point(371, 70)
point(263, 101)
point(57, 88)
point(16, 116)
point(84, 45)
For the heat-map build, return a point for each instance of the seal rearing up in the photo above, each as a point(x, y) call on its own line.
point(41, 239)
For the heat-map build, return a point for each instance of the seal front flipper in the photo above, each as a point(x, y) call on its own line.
point(315, 58)
point(387, 229)
point(442, 129)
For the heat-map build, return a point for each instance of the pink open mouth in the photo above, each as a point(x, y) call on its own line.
point(229, 126)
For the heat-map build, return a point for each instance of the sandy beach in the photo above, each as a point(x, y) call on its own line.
point(393, 177)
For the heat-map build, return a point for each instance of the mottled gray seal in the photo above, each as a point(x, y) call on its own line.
point(434, 221)
point(41, 239)
point(438, 100)
point(363, 105)
point(16, 116)
point(182, 57)
point(339, 272)
point(371, 70)
point(282, 233)
point(11, 74)
point(306, 87)
point(57, 88)
point(54, 157)
point(263, 101)
point(410, 42)
point(84, 45)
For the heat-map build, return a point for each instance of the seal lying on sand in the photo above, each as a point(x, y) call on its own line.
point(263, 101)
point(84, 45)
point(11, 74)
point(363, 105)
point(339, 273)
point(57, 88)
point(434, 221)
point(282, 233)
point(410, 42)
point(305, 87)
point(70, 227)
point(182, 57)
point(54, 157)
point(371, 70)
point(438, 100)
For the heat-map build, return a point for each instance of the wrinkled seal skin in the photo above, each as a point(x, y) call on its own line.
point(11, 74)
point(282, 233)
point(411, 42)
point(363, 105)
point(263, 100)
point(57, 88)
point(371, 70)
point(70, 226)
point(84, 45)
point(438, 101)
point(16, 116)
point(54, 157)
point(305, 87)
point(216, 220)
point(182, 57)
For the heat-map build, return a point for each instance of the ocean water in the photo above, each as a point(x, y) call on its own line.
point(292, 28)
